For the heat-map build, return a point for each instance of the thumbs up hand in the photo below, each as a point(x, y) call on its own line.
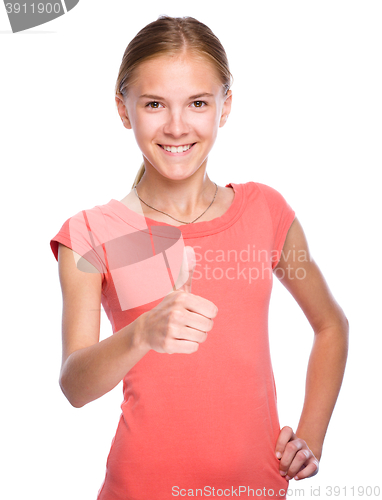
point(181, 321)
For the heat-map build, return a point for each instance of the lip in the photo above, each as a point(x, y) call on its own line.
point(184, 153)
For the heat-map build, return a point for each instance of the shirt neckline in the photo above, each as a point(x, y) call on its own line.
point(195, 229)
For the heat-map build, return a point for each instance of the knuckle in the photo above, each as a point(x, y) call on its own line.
point(304, 454)
point(292, 446)
point(303, 446)
point(180, 297)
point(171, 330)
point(175, 316)
point(167, 347)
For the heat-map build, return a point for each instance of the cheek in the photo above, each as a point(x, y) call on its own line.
point(207, 126)
point(144, 129)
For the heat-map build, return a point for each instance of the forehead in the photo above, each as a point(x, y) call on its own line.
point(184, 74)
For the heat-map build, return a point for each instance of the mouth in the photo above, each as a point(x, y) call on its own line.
point(177, 149)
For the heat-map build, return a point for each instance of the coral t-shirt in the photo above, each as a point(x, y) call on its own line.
point(201, 424)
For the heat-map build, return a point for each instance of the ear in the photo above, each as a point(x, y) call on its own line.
point(122, 111)
point(226, 108)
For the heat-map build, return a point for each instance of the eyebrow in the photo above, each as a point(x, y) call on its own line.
point(150, 96)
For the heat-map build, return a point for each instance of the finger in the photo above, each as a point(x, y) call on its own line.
point(286, 434)
point(310, 470)
point(198, 321)
point(192, 335)
point(182, 347)
point(291, 449)
point(199, 305)
point(299, 461)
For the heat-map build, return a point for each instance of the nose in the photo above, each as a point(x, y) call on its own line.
point(176, 124)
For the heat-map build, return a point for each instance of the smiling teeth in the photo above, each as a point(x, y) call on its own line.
point(179, 149)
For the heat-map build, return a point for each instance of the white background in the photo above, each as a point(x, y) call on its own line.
point(306, 120)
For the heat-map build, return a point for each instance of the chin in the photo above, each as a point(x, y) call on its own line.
point(176, 173)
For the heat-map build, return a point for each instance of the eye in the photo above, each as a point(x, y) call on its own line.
point(153, 105)
point(199, 104)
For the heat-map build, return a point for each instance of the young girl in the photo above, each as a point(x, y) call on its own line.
point(203, 421)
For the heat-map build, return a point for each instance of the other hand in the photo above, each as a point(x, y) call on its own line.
point(296, 458)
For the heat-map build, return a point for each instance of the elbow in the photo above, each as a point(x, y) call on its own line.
point(347, 321)
point(344, 328)
point(347, 324)
point(338, 326)
point(343, 323)
point(75, 402)
point(341, 330)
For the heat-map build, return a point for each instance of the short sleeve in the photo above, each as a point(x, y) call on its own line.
point(79, 233)
point(282, 216)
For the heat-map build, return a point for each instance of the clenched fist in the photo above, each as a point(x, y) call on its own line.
point(181, 321)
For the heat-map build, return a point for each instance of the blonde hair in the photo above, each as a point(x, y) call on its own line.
point(170, 35)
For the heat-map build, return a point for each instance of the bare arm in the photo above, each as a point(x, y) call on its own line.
point(91, 368)
point(329, 352)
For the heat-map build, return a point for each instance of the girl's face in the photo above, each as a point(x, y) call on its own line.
point(175, 106)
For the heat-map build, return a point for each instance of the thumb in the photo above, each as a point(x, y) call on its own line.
point(186, 270)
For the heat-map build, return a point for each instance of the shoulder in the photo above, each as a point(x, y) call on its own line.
point(81, 231)
point(91, 218)
point(259, 192)
point(269, 203)
point(264, 189)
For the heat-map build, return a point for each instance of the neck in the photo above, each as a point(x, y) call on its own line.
point(183, 199)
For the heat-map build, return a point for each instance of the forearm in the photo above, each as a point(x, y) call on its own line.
point(324, 378)
point(92, 371)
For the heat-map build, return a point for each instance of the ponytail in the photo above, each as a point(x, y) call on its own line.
point(139, 175)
